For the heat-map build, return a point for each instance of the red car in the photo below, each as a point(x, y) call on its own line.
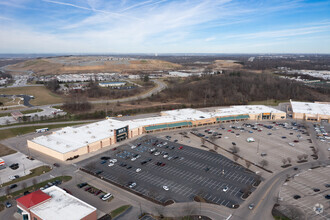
point(163, 164)
point(88, 188)
point(180, 147)
point(229, 130)
point(296, 141)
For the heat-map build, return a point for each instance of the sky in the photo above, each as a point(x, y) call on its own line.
point(164, 26)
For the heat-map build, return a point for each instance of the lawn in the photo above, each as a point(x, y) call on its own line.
point(119, 211)
point(31, 188)
point(12, 132)
point(34, 172)
point(4, 150)
point(42, 96)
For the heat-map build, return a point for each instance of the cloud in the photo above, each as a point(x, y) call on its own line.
point(284, 33)
point(210, 39)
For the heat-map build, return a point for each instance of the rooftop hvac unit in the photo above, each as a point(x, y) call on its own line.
point(89, 132)
point(57, 142)
point(67, 146)
point(74, 131)
point(93, 136)
point(86, 142)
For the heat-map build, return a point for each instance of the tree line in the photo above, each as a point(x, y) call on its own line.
point(237, 88)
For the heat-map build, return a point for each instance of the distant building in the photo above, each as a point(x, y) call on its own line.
point(54, 203)
point(112, 84)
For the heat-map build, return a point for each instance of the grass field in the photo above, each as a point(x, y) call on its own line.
point(42, 96)
point(272, 102)
point(12, 132)
point(119, 210)
point(4, 150)
point(37, 186)
point(34, 172)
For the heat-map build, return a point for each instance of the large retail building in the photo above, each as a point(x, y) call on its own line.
point(310, 111)
point(69, 142)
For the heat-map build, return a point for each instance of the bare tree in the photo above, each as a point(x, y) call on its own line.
point(300, 157)
point(289, 160)
point(248, 164)
point(34, 182)
point(234, 149)
point(8, 190)
point(305, 156)
point(284, 161)
point(263, 163)
point(24, 185)
point(294, 213)
point(212, 138)
point(203, 141)
point(235, 157)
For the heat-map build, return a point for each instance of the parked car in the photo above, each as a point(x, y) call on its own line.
point(81, 185)
point(251, 206)
point(106, 196)
point(13, 186)
point(180, 148)
point(8, 205)
point(138, 170)
point(166, 188)
point(56, 165)
point(105, 158)
point(132, 185)
point(225, 189)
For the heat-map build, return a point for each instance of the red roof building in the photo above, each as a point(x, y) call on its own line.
point(32, 199)
point(54, 203)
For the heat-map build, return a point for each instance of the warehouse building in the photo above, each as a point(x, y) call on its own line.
point(54, 203)
point(71, 142)
point(310, 111)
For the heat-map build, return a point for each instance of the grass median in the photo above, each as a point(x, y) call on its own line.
point(34, 187)
point(34, 172)
point(119, 211)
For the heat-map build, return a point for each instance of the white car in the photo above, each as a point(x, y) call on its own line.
point(106, 196)
point(291, 144)
point(157, 153)
point(134, 158)
point(225, 189)
point(132, 185)
point(133, 147)
point(166, 188)
point(113, 160)
point(12, 177)
point(111, 164)
point(138, 170)
point(165, 156)
point(152, 150)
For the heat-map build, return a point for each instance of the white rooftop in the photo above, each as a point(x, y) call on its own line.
point(69, 138)
point(246, 109)
point(188, 114)
point(62, 206)
point(310, 108)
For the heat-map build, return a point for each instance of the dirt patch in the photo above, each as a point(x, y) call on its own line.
point(67, 65)
point(4, 150)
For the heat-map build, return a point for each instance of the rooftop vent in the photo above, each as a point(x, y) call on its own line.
point(89, 132)
point(93, 136)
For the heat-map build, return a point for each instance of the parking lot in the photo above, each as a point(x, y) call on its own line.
point(25, 165)
point(282, 141)
point(163, 170)
point(306, 190)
